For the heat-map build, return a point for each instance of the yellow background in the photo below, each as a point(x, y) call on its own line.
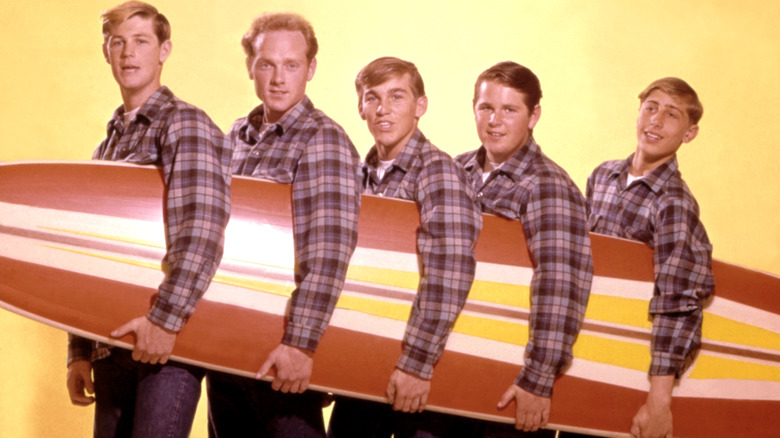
point(592, 57)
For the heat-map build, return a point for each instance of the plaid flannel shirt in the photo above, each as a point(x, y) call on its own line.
point(195, 159)
point(660, 211)
point(309, 150)
point(450, 222)
point(531, 188)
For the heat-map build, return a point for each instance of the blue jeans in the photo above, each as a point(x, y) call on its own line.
point(353, 417)
point(244, 407)
point(133, 399)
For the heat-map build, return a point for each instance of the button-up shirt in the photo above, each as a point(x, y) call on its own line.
point(195, 159)
point(660, 211)
point(309, 150)
point(531, 188)
point(450, 222)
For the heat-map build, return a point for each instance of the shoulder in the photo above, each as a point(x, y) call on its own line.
point(466, 157)
point(182, 113)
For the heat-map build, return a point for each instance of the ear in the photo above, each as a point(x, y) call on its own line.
point(165, 50)
point(312, 69)
point(249, 61)
point(535, 115)
point(105, 52)
point(422, 106)
point(360, 108)
point(692, 132)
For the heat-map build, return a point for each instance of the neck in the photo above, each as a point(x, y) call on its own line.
point(133, 99)
point(641, 164)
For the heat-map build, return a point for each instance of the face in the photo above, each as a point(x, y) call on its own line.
point(662, 126)
point(391, 111)
point(280, 71)
point(136, 57)
point(504, 122)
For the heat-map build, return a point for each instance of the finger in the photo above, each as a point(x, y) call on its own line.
point(508, 396)
point(391, 393)
point(123, 330)
point(265, 368)
point(414, 404)
point(164, 359)
point(423, 402)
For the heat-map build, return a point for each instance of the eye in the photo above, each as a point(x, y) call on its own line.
point(116, 43)
point(292, 66)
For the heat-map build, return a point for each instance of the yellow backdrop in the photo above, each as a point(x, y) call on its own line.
point(592, 57)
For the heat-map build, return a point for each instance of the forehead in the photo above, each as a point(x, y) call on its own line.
point(286, 43)
point(393, 82)
point(135, 25)
point(662, 98)
point(495, 92)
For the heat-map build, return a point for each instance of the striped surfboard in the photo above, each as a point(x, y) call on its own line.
point(81, 244)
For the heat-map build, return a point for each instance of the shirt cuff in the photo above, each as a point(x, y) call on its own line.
point(535, 382)
point(302, 336)
point(417, 362)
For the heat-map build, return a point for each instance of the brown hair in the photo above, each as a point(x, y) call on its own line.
point(119, 14)
point(515, 76)
point(680, 89)
point(381, 69)
point(280, 21)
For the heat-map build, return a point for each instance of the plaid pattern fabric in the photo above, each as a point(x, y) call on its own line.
point(309, 150)
point(531, 188)
point(660, 211)
point(449, 225)
point(195, 159)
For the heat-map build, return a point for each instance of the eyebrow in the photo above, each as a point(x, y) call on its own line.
point(665, 106)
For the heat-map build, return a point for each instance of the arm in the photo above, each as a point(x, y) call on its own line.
point(449, 225)
point(196, 168)
point(556, 232)
point(326, 203)
point(682, 259)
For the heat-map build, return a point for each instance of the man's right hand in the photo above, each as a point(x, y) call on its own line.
point(531, 411)
point(80, 383)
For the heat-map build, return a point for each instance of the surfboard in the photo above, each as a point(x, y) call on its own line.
point(81, 244)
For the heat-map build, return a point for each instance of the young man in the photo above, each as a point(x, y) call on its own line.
point(144, 394)
point(287, 140)
point(515, 180)
point(644, 198)
point(404, 164)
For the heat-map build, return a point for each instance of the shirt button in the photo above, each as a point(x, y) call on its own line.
point(380, 194)
point(255, 153)
point(479, 195)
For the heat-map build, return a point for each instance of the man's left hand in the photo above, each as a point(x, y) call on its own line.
point(531, 411)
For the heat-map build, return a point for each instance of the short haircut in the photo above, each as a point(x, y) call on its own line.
point(679, 89)
point(119, 14)
point(280, 21)
point(382, 69)
point(513, 75)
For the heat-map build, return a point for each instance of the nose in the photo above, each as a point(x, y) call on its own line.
point(494, 119)
point(657, 119)
point(381, 108)
point(278, 77)
point(128, 50)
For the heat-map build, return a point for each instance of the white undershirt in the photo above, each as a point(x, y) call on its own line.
point(128, 116)
point(492, 166)
point(382, 167)
point(632, 178)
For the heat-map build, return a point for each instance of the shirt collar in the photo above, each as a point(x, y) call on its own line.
point(149, 110)
point(514, 167)
point(406, 157)
point(655, 180)
point(250, 131)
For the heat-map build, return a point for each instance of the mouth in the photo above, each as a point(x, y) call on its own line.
point(493, 134)
point(384, 124)
point(277, 92)
point(130, 68)
point(652, 136)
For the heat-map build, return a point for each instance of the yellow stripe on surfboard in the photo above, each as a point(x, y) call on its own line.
point(140, 242)
point(590, 347)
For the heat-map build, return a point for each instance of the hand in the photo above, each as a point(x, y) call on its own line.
point(78, 381)
point(293, 368)
point(153, 344)
point(406, 392)
point(531, 411)
point(654, 418)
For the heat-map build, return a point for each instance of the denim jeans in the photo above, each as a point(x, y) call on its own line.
point(353, 417)
point(138, 400)
point(244, 407)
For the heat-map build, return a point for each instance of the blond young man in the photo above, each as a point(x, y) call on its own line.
point(645, 198)
point(142, 393)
